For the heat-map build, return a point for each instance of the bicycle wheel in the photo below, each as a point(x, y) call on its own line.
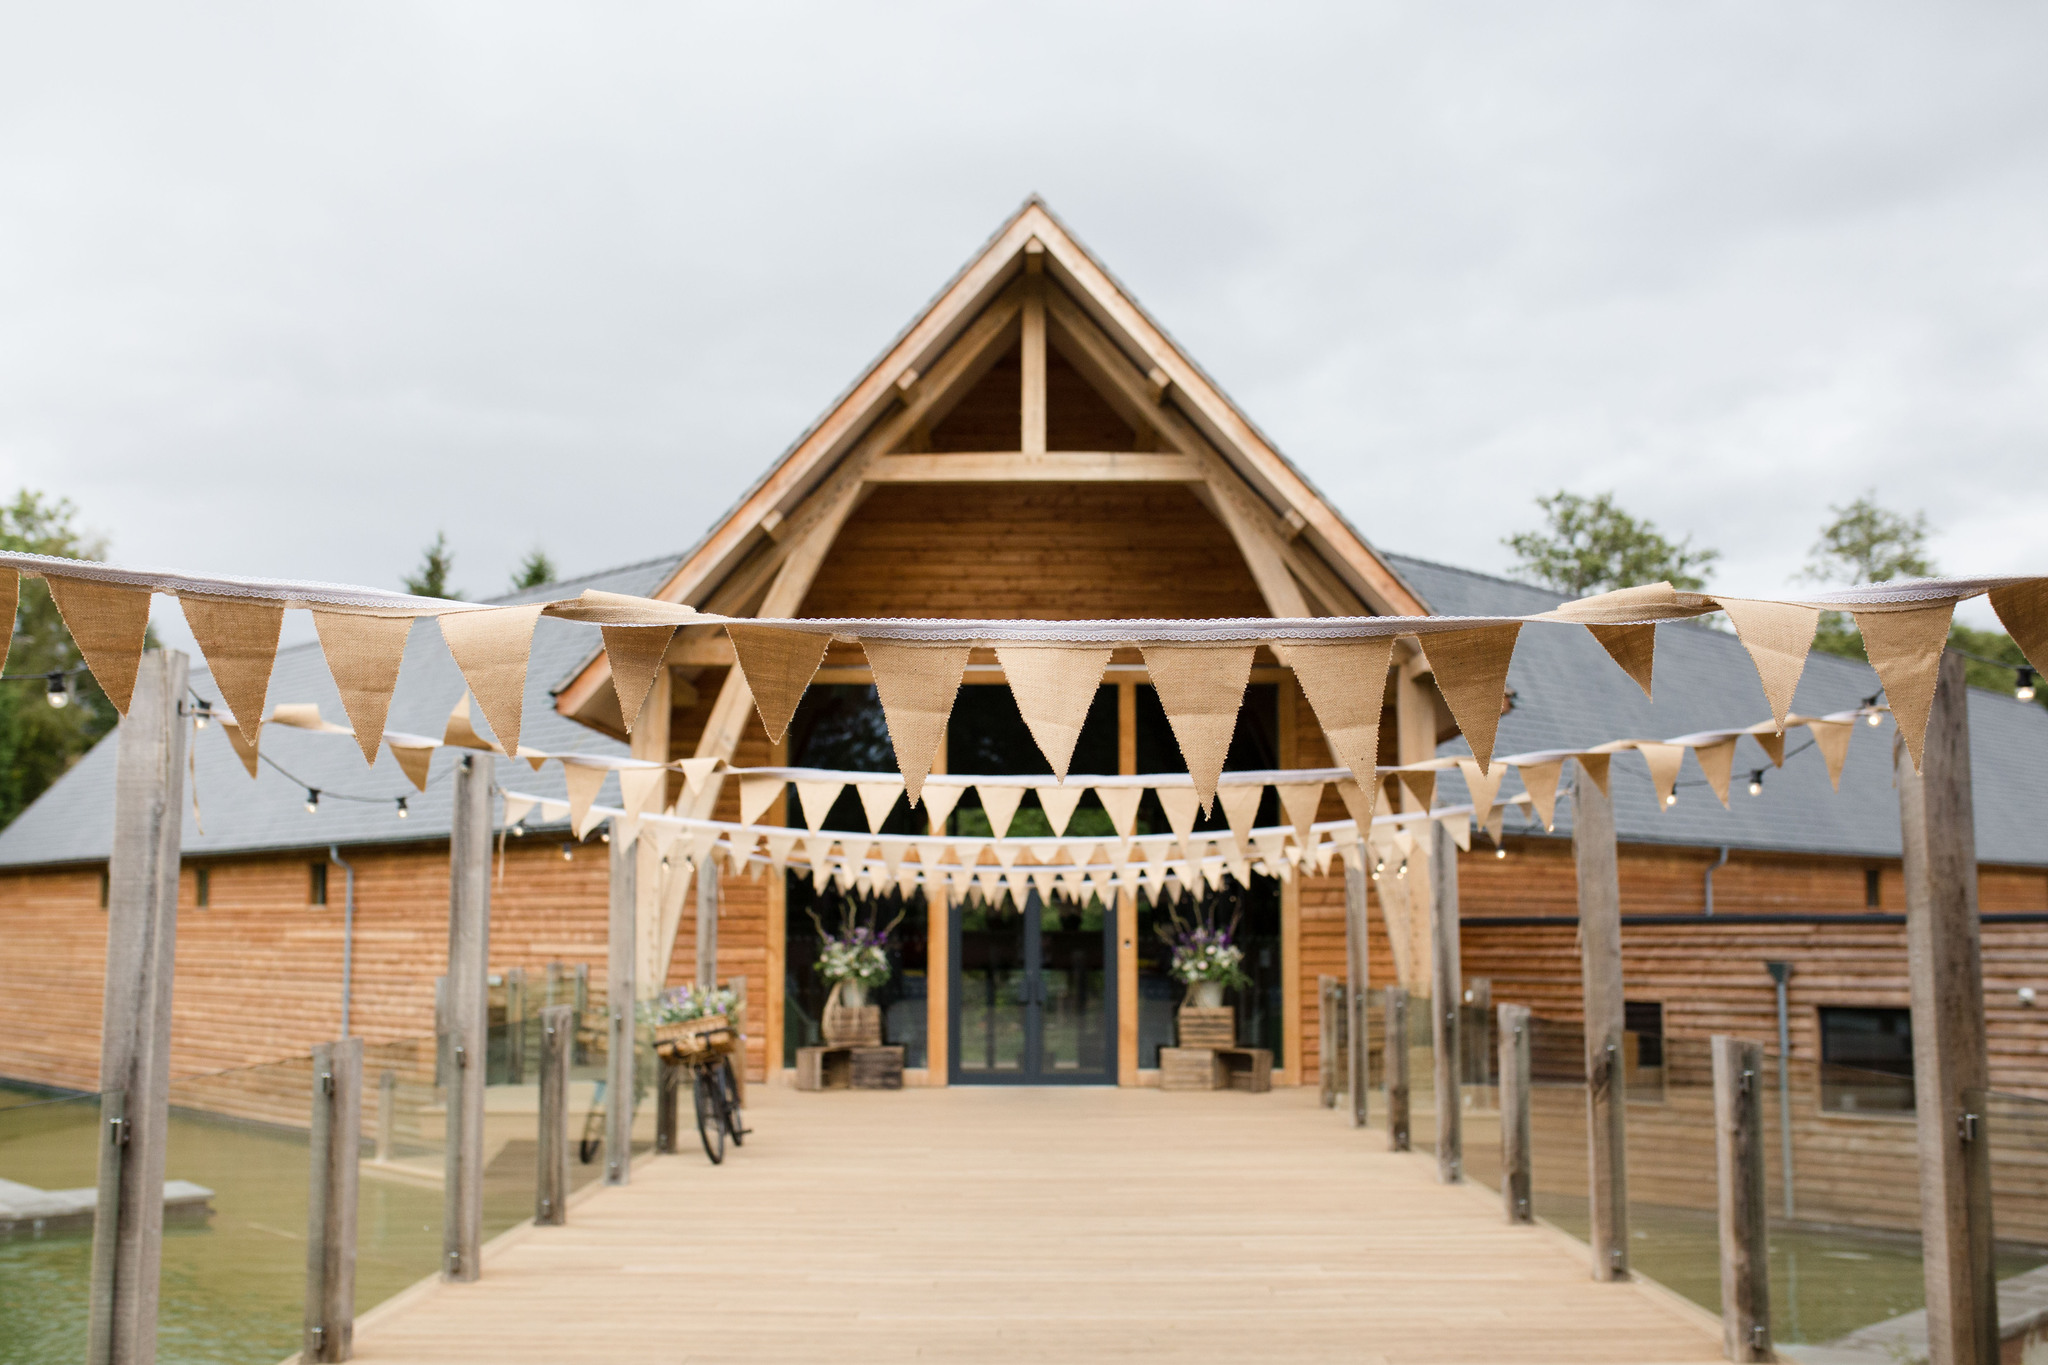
point(726, 1081)
point(711, 1113)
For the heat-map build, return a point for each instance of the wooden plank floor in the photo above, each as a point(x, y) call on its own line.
point(1042, 1224)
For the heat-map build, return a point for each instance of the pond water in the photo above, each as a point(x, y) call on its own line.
point(234, 1283)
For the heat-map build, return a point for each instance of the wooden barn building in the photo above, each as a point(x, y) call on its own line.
point(1035, 445)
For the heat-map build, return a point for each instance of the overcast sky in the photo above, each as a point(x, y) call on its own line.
point(284, 290)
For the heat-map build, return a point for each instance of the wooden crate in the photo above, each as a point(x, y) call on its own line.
point(843, 1027)
point(1246, 1068)
point(1190, 1068)
point(824, 1068)
point(877, 1068)
point(1208, 1027)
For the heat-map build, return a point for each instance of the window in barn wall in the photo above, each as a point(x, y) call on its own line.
point(103, 888)
point(202, 887)
point(1643, 1037)
point(316, 876)
point(1866, 1060)
point(841, 726)
point(1873, 881)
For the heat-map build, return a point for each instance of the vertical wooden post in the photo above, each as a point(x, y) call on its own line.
point(1447, 996)
point(1950, 1068)
point(515, 1026)
point(557, 1032)
point(469, 951)
point(1128, 1062)
point(1739, 1174)
point(1327, 1005)
point(1032, 401)
point(336, 1140)
point(1599, 879)
point(707, 923)
point(1516, 1183)
point(1397, 1069)
point(619, 1005)
point(1479, 1040)
point(1358, 977)
point(578, 1051)
point(387, 1113)
point(667, 1087)
point(135, 1011)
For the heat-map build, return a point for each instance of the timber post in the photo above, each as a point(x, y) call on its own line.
point(1397, 1069)
point(1447, 993)
point(620, 999)
point(1358, 977)
point(667, 1088)
point(336, 1141)
point(1950, 1067)
point(1479, 1050)
point(135, 1012)
point(1739, 1177)
point(1600, 974)
point(1516, 1183)
point(515, 1026)
point(387, 1113)
point(557, 1033)
point(707, 922)
point(468, 1017)
point(1329, 1000)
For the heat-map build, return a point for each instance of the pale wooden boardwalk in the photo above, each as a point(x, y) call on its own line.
point(1056, 1225)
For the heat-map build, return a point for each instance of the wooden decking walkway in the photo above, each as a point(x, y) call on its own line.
point(1057, 1225)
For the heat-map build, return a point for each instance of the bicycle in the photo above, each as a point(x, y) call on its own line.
point(714, 1088)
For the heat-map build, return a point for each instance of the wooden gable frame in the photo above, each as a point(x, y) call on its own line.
point(762, 557)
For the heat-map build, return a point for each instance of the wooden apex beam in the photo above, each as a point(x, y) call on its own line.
point(1060, 466)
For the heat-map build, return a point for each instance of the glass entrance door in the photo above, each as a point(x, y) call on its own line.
point(1033, 994)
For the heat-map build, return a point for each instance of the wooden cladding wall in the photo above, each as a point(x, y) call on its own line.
point(259, 970)
point(1066, 551)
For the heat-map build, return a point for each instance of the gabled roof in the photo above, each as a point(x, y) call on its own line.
point(1567, 694)
point(1179, 384)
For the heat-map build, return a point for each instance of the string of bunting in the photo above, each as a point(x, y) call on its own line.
point(643, 783)
point(966, 865)
point(1200, 668)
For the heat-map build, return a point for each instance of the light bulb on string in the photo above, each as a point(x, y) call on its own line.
point(568, 853)
point(1670, 798)
point(1402, 871)
point(518, 831)
point(1873, 718)
point(1500, 850)
point(201, 714)
point(58, 693)
point(1756, 782)
point(404, 811)
point(2025, 690)
point(312, 800)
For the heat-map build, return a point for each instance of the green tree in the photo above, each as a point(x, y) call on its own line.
point(38, 741)
point(436, 562)
point(1591, 545)
point(536, 570)
point(1866, 543)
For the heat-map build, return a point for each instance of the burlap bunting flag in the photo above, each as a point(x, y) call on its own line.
point(1471, 668)
point(777, 666)
point(110, 624)
point(1540, 781)
point(492, 647)
point(238, 639)
point(1059, 804)
point(916, 684)
point(635, 654)
point(1777, 636)
point(1633, 647)
point(1346, 687)
point(938, 804)
point(364, 654)
point(1000, 805)
point(1717, 761)
point(1054, 686)
point(1180, 804)
point(877, 799)
point(1905, 648)
point(1831, 737)
point(1201, 688)
point(1241, 809)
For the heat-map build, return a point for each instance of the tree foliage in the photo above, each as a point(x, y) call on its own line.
point(40, 742)
point(536, 570)
point(437, 561)
point(1591, 545)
